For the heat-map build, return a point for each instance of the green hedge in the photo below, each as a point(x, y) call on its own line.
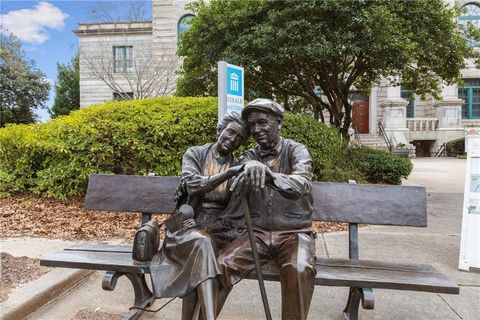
point(132, 137)
point(378, 166)
point(129, 137)
point(324, 143)
point(456, 148)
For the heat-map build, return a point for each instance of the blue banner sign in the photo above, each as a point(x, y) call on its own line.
point(230, 88)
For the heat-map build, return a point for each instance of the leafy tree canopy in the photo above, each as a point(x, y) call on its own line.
point(23, 87)
point(290, 49)
point(67, 88)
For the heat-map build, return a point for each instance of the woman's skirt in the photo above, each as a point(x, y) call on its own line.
point(186, 259)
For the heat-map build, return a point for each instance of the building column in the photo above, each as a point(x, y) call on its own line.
point(372, 112)
point(449, 114)
point(394, 117)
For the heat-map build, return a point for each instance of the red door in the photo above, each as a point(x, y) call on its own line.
point(360, 114)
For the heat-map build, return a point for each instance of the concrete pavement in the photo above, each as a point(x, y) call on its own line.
point(438, 245)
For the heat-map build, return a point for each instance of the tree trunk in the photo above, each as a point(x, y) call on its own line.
point(347, 119)
point(322, 117)
point(316, 113)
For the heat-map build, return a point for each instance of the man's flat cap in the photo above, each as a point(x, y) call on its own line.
point(264, 105)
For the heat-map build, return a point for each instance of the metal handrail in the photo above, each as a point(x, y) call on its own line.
point(442, 149)
point(356, 134)
point(383, 134)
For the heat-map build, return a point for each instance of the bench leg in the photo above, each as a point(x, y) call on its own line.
point(356, 294)
point(367, 298)
point(143, 295)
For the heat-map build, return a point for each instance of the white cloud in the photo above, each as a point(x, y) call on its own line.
point(30, 25)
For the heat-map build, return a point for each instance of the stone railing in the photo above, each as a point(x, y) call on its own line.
point(422, 124)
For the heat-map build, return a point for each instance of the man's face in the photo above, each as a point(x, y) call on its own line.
point(264, 127)
point(230, 138)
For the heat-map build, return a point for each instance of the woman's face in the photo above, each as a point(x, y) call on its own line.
point(230, 138)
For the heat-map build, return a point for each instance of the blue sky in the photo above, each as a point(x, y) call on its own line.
point(46, 31)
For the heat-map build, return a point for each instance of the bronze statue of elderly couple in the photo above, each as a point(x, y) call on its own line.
point(202, 261)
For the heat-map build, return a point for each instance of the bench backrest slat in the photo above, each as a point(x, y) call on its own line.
point(339, 202)
point(131, 193)
point(370, 204)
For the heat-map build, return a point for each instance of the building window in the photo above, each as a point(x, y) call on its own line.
point(470, 14)
point(183, 24)
point(410, 97)
point(470, 94)
point(122, 59)
point(119, 96)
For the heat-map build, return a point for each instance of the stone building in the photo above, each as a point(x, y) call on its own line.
point(121, 60)
point(115, 57)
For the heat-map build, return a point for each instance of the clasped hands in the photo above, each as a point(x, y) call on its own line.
point(255, 175)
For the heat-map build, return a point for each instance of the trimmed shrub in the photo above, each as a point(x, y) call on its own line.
point(324, 143)
point(378, 166)
point(456, 147)
point(129, 137)
point(151, 135)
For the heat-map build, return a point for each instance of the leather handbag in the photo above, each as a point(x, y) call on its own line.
point(146, 242)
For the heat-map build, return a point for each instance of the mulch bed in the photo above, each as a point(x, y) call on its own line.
point(41, 217)
point(17, 271)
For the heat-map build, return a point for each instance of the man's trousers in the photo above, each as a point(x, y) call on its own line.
point(292, 251)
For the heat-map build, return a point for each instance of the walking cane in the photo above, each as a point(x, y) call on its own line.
point(258, 267)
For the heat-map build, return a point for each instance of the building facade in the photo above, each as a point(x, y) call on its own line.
point(421, 126)
point(137, 60)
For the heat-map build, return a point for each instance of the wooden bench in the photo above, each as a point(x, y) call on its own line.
point(338, 202)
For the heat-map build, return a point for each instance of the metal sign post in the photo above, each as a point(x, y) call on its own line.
point(230, 88)
point(470, 238)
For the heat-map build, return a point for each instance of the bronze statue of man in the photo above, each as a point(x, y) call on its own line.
point(277, 183)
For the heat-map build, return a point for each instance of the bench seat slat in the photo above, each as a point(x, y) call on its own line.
point(377, 274)
point(330, 271)
point(373, 264)
point(101, 247)
point(374, 274)
point(107, 261)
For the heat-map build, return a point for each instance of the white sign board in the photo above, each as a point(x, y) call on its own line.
point(230, 88)
point(470, 239)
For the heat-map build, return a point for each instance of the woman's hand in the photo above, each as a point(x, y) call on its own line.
point(188, 224)
point(236, 169)
point(238, 184)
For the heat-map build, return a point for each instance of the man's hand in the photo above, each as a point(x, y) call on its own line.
point(257, 174)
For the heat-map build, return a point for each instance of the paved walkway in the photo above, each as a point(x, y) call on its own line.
point(438, 245)
point(442, 175)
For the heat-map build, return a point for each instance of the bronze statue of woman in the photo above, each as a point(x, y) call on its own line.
point(206, 171)
point(186, 266)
